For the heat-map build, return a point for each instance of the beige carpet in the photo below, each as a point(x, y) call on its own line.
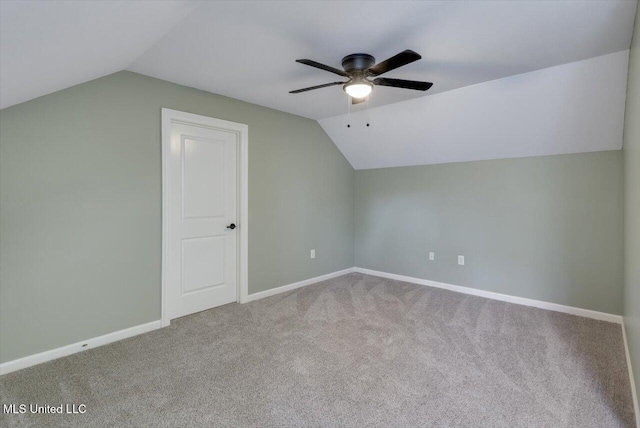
point(353, 351)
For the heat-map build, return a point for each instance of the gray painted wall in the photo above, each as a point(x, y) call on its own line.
point(80, 206)
point(547, 228)
point(631, 153)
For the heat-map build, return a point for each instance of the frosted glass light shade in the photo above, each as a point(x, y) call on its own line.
point(358, 90)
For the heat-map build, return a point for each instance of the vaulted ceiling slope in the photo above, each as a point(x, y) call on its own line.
point(246, 50)
point(570, 108)
point(46, 46)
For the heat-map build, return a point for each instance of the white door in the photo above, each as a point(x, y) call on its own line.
point(201, 208)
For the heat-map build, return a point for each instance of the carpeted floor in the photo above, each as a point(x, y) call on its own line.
point(352, 351)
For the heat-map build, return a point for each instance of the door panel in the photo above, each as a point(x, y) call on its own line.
point(201, 270)
point(203, 262)
point(203, 187)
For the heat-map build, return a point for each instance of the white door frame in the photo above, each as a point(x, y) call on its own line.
point(170, 116)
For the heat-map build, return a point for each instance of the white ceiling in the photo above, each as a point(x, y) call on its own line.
point(246, 50)
point(46, 46)
point(570, 108)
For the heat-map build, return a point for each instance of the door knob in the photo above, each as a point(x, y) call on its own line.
point(231, 226)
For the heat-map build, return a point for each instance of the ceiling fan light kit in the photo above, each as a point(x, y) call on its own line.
point(358, 88)
point(360, 67)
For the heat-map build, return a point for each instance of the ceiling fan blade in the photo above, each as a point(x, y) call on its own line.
point(400, 83)
point(358, 100)
point(311, 88)
point(403, 58)
point(322, 67)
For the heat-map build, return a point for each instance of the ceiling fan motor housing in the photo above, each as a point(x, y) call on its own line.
point(357, 62)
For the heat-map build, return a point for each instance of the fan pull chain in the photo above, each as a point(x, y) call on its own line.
point(368, 116)
point(367, 108)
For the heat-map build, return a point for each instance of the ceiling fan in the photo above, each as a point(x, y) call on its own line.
point(360, 67)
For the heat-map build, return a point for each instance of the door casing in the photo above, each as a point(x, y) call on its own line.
point(170, 116)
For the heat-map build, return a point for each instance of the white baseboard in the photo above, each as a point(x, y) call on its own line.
point(634, 392)
point(32, 360)
point(289, 287)
point(602, 316)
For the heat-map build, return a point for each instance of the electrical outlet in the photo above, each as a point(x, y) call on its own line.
point(313, 254)
point(432, 255)
point(461, 260)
